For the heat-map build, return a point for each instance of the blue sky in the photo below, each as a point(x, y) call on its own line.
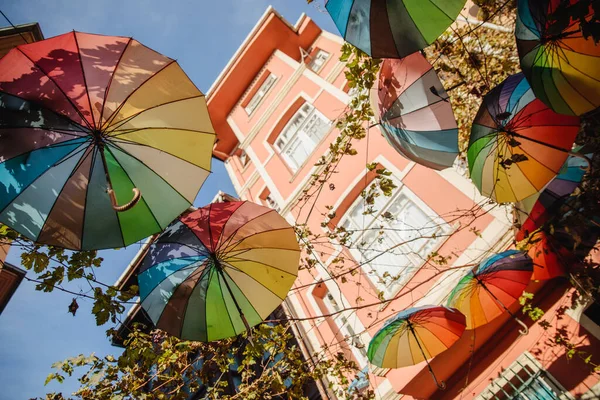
point(35, 328)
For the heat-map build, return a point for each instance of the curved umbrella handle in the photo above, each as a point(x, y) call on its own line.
point(584, 158)
point(137, 195)
point(525, 329)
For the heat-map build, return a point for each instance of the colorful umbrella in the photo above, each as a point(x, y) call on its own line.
point(415, 335)
point(550, 259)
point(415, 113)
point(562, 66)
point(393, 28)
point(219, 270)
point(517, 144)
point(494, 285)
point(534, 211)
point(82, 115)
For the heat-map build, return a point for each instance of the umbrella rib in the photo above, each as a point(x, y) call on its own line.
point(504, 143)
point(58, 87)
point(187, 302)
point(75, 151)
point(225, 273)
point(385, 115)
point(239, 309)
point(79, 162)
point(538, 161)
point(154, 172)
point(110, 81)
point(60, 116)
point(132, 117)
point(249, 276)
point(224, 227)
point(51, 130)
point(232, 234)
point(114, 113)
point(229, 259)
point(125, 141)
point(441, 326)
point(87, 94)
point(123, 132)
point(229, 248)
point(236, 259)
point(573, 87)
point(87, 189)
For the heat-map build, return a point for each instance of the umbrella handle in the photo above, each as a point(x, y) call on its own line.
point(525, 329)
point(137, 195)
point(584, 158)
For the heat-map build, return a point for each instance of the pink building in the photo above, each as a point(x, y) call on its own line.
point(274, 108)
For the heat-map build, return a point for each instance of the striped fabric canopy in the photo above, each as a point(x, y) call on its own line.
point(561, 64)
point(392, 28)
point(517, 144)
point(219, 270)
point(81, 114)
point(415, 112)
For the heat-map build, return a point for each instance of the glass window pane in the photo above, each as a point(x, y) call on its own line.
point(260, 93)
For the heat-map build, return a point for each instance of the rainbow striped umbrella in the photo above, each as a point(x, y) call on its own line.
point(534, 211)
point(561, 64)
point(87, 120)
point(415, 335)
point(219, 270)
point(517, 143)
point(392, 28)
point(550, 258)
point(415, 113)
point(489, 289)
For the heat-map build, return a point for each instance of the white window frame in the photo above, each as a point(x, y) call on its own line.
point(406, 198)
point(317, 62)
point(260, 94)
point(244, 159)
point(343, 321)
point(295, 136)
point(508, 377)
point(270, 202)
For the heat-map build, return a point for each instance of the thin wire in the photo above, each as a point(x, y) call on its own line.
point(14, 27)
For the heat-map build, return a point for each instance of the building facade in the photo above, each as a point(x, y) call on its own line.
point(274, 108)
point(10, 275)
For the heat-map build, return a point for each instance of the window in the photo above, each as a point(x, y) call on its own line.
point(317, 62)
point(244, 158)
point(356, 344)
point(267, 199)
point(260, 94)
point(269, 202)
point(396, 234)
point(524, 379)
point(301, 135)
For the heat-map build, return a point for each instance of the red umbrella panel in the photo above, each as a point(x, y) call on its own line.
point(550, 259)
point(534, 211)
point(492, 287)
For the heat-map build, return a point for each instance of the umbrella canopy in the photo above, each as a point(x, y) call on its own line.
point(218, 270)
point(550, 259)
point(415, 335)
point(415, 113)
point(534, 211)
point(393, 28)
point(562, 66)
point(489, 289)
point(517, 143)
point(83, 114)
